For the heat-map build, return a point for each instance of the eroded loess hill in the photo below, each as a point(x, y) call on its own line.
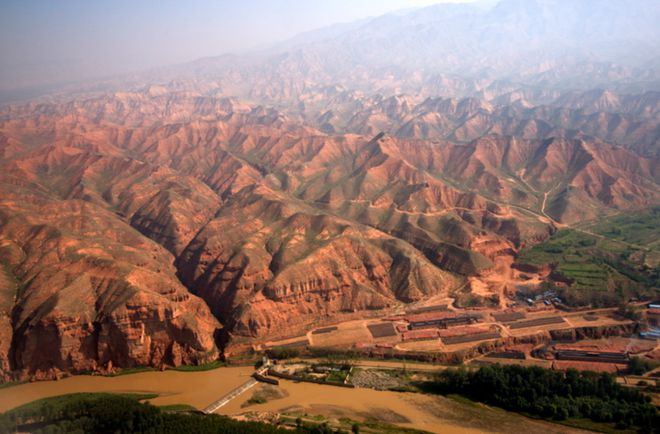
point(134, 226)
point(89, 292)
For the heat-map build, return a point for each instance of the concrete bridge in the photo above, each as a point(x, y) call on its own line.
point(214, 406)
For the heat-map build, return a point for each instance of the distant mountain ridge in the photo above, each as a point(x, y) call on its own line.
point(559, 43)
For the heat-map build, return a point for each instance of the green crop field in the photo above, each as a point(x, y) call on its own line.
point(642, 228)
point(600, 271)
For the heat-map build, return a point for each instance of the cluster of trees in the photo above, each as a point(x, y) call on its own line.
point(121, 414)
point(323, 428)
point(282, 353)
point(552, 394)
point(639, 366)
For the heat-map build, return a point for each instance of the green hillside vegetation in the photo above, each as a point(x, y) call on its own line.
point(599, 271)
point(107, 413)
point(642, 229)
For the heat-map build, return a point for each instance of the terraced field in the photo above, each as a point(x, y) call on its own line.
point(640, 229)
point(596, 270)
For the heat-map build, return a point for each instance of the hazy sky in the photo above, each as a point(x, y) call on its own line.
point(54, 41)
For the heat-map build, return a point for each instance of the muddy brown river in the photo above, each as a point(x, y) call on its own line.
point(199, 389)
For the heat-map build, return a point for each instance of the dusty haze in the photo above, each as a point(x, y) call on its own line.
point(47, 43)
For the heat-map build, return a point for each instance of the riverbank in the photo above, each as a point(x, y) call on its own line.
point(430, 413)
point(198, 389)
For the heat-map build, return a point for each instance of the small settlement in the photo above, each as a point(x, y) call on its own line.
point(595, 339)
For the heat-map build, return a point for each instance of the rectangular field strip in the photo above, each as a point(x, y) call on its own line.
point(324, 330)
point(508, 316)
point(295, 344)
point(452, 340)
point(536, 322)
point(381, 330)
